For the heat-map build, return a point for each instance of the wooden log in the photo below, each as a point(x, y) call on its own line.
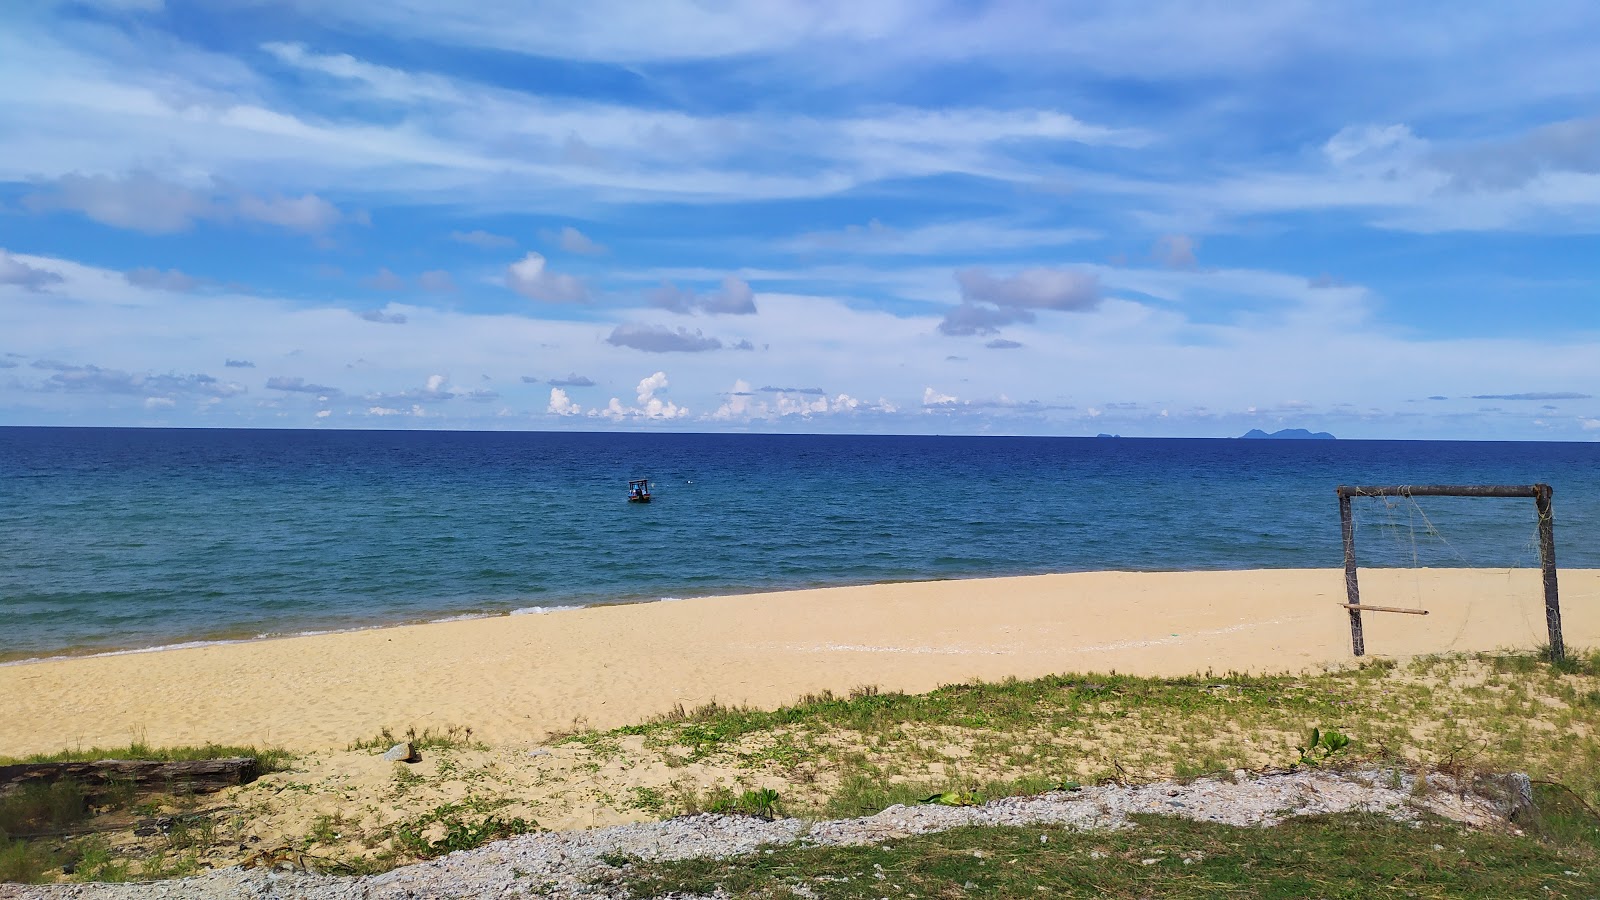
point(1441, 490)
point(1352, 590)
point(1547, 561)
point(1362, 607)
point(195, 776)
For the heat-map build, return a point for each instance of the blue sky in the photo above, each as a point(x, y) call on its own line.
point(1145, 218)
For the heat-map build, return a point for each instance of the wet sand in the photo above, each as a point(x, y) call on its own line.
point(518, 678)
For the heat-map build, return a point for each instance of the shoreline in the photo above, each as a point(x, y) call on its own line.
point(520, 678)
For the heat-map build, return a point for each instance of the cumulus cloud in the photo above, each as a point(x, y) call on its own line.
point(931, 397)
point(660, 339)
point(16, 272)
point(384, 280)
point(383, 318)
point(649, 405)
point(483, 240)
point(572, 380)
point(438, 281)
point(530, 278)
point(169, 280)
point(561, 404)
point(434, 390)
point(734, 297)
point(1535, 395)
point(298, 385)
point(989, 302)
point(741, 404)
point(140, 201)
point(573, 241)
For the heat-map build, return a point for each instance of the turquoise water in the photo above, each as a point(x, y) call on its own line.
point(126, 538)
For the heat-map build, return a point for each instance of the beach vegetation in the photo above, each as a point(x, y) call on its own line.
point(27, 862)
point(762, 803)
point(1347, 855)
point(449, 737)
point(460, 826)
point(269, 759)
point(1320, 745)
point(98, 861)
point(857, 753)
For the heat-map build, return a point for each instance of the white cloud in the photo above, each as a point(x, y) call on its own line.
point(140, 201)
point(532, 279)
point(562, 405)
point(307, 212)
point(15, 271)
point(151, 343)
point(649, 405)
point(574, 241)
point(742, 405)
point(931, 397)
point(734, 297)
point(989, 302)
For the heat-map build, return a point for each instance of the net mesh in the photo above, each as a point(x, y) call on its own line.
point(1499, 537)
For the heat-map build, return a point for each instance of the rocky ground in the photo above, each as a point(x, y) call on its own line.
point(569, 864)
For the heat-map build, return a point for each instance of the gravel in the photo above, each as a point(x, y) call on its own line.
point(566, 864)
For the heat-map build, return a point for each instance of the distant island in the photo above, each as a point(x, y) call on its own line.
point(1287, 434)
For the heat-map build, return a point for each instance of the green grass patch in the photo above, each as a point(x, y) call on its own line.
point(270, 759)
point(1345, 856)
point(857, 753)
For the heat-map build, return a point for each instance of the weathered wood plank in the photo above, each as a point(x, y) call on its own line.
point(1365, 607)
point(199, 776)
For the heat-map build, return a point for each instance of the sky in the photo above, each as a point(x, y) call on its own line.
point(1162, 218)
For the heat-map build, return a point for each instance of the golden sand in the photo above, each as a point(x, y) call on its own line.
point(518, 678)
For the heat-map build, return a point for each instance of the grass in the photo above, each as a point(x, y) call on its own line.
point(1345, 856)
point(34, 818)
point(270, 759)
point(465, 826)
point(853, 754)
point(857, 753)
point(454, 737)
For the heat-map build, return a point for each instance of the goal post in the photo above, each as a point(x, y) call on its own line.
point(1547, 545)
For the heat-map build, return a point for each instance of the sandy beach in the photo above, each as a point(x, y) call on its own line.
point(518, 678)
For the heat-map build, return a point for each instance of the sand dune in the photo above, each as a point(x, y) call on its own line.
point(517, 678)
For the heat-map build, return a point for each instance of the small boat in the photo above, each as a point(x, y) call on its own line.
point(639, 490)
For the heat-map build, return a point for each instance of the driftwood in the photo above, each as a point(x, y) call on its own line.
point(195, 776)
point(1367, 607)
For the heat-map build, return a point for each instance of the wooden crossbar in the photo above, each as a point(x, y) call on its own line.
point(1358, 607)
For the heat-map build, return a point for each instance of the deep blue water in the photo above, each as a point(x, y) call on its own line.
point(119, 538)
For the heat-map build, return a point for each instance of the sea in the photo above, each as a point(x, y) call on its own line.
point(118, 540)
